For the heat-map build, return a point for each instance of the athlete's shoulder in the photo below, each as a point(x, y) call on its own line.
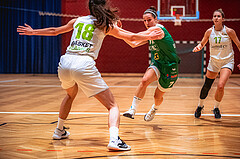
point(209, 31)
point(229, 30)
point(231, 33)
point(71, 22)
point(155, 28)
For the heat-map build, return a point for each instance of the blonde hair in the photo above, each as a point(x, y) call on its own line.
point(220, 11)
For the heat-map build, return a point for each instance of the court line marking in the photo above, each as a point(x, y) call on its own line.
point(178, 87)
point(8, 81)
point(93, 113)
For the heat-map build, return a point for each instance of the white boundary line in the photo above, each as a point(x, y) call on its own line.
point(56, 86)
point(8, 81)
point(92, 113)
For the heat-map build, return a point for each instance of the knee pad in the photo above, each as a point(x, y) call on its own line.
point(206, 87)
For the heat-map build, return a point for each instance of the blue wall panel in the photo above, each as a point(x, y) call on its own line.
point(28, 54)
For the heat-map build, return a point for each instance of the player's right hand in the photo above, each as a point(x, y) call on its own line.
point(25, 30)
point(198, 48)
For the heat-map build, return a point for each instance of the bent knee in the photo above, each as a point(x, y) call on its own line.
point(145, 82)
point(220, 86)
point(112, 106)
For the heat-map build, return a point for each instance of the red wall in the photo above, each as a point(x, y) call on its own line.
point(117, 57)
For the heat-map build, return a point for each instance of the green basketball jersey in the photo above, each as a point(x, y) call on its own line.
point(163, 50)
point(164, 57)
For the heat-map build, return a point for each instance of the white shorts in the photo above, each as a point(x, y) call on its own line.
point(80, 69)
point(157, 72)
point(215, 65)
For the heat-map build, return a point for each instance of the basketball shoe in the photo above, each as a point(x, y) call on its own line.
point(130, 113)
point(118, 145)
point(216, 113)
point(150, 114)
point(60, 134)
point(198, 112)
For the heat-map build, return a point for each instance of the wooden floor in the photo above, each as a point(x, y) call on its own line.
point(29, 110)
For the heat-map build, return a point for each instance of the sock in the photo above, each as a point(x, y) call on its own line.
point(113, 133)
point(155, 106)
point(135, 102)
point(60, 123)
point(216, 104)
point(200, 103)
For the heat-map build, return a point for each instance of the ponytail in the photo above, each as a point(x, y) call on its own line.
point(104, 14)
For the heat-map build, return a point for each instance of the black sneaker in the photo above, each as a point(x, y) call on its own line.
point(60, 134)
point(198, 112)
point(118, 145)
point(216, 113)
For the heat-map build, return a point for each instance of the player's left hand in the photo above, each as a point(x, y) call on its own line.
point(119, 23)
point(238, 66)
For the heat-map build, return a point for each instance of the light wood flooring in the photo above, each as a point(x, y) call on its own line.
point(29, 107)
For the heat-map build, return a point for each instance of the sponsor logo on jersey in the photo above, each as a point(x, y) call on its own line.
point(153, 46)
point(81, 44)
point(218, 46)
point(225, 34)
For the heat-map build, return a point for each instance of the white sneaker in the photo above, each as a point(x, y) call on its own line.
point(150, 115)
point(60, 134)
point(118, 145)
point(130, 113)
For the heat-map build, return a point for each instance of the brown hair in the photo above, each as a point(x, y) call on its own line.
point(152, 10)
point(220, 11)
point(104, 14)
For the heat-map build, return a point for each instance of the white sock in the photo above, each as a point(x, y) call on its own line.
point(200, 103)
point(113, 133)
point(216, 104)
point(60, 123)
point(135, 102)
point(155, 106)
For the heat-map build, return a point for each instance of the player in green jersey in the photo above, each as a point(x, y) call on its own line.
point(163, 67)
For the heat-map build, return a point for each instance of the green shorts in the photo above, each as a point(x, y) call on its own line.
point(168, 73)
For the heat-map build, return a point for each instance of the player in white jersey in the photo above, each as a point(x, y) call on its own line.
point(77, 67)
point(221, 60)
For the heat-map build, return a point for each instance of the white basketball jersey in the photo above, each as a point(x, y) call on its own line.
point(86, 38)
point(220, 44)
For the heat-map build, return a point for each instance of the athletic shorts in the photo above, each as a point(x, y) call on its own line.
point(167, 75)
point(80, 69)
point(215, 65)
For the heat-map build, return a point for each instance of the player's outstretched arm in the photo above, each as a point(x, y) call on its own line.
point(127, 35)
point(204, 41)
point(52, 31)
point(141, 37)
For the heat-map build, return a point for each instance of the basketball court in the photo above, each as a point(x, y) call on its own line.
point(30, 94)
